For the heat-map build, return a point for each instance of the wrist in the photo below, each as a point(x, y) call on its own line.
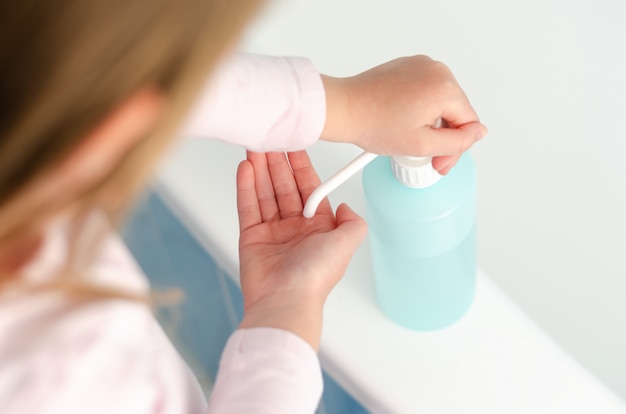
point(301, 317)
point(336, 127)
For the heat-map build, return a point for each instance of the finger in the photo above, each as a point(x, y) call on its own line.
point(264, 187)
point(445, 163)
point(284, 182)
point(459, 112)
point(247, 203)
point(448, 141)
point(307, 179)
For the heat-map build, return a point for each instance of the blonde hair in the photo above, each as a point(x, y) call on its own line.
point(67, 63)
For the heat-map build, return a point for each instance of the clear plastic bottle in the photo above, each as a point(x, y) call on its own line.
point(422, 232)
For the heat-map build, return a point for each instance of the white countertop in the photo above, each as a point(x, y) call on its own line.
point(495, 360)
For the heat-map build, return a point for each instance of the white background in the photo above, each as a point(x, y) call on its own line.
point(549, 79)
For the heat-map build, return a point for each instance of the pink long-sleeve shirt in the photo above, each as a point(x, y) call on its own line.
point(112, 356)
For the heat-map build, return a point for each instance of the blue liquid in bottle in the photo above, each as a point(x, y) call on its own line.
point(423, 244)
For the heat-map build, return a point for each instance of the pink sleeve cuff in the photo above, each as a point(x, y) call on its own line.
point(263, 103)
point(267, 370)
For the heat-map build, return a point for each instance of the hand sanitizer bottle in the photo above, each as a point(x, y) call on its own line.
point(422, 237)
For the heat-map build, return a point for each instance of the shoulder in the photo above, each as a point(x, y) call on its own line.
point(58, 356)
point(61, 356)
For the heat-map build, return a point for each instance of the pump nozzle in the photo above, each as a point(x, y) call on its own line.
point(342, 175)
point(335, 181)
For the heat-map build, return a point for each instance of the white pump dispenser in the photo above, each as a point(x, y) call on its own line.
point(335, 181)
point(414, 172)
point(422, 235)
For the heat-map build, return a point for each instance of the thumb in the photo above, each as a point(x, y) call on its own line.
point(449, 141)
point(350, 226)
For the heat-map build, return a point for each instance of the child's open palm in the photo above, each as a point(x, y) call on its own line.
point(289, 264)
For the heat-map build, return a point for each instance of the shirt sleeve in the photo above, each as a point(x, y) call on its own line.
point(263, 103)
point(267, 370)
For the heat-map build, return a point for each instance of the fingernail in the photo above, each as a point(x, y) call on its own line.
point(481, 133)
point(446, 168)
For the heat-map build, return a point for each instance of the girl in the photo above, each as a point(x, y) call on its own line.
point(92, 92)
